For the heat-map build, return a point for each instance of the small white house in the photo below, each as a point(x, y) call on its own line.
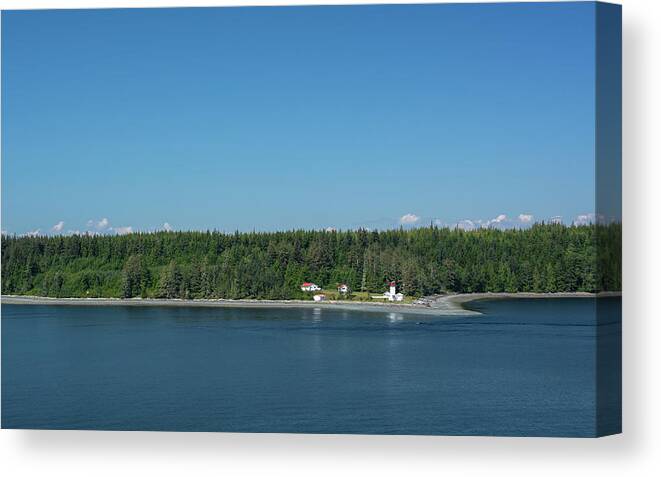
point(319, 297)
point(343, 288)
point(307, 286)
point(391, 294)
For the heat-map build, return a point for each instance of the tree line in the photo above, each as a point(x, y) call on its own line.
point(272, 265)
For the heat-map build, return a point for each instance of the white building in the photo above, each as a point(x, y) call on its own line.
point(391, 294)
point(307, 286)
point(319, 297)
point(343, 288)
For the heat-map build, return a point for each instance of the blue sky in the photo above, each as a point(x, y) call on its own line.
point(279, 118)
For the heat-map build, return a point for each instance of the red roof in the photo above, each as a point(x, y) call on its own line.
point(307, 284)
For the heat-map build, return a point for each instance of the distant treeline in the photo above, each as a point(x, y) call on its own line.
point(423, 261)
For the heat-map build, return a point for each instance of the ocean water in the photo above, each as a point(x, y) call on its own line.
point(524, 367)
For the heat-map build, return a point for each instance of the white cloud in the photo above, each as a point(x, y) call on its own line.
point(584, 219)
point(499, 220)
point(58, 227)
point(331, 229)
point(32, 233)
point(466, 225)
point(102, 225)
point(167, 227)
point(122, 230)
point(409, 219)
point(556, 219)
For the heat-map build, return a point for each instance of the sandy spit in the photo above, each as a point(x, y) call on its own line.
point(444, 305)
point(450, 309)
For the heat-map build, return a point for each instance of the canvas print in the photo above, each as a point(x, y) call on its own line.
point(369, 219)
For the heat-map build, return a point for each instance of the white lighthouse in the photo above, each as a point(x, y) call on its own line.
point(391, 294)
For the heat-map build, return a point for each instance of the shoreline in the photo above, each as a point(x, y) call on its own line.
point(442, 305)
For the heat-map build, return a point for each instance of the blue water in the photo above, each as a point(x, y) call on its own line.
point(525, 367)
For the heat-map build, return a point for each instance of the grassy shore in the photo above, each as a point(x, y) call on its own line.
point(444, 305)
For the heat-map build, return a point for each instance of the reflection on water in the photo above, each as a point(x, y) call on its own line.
point(395, 317)
point(316, 315)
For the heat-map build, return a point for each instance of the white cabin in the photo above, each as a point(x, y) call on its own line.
point(308, 286)
point(343, 288)
point(320, 297)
